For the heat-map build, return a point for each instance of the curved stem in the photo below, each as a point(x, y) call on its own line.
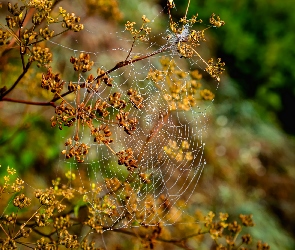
point(19, 232)
point(130, 49)
point(128, 62)
point(177, 242)
point(189, 1)
point(157, 127)
point(28, 102)
point(53, 100)
point(17, 80)
point(41, 40)
point(118, 66)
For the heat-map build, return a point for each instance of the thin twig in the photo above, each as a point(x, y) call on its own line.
point(66, 101)
point(118, 66)
point(25, 244)
point(179, 242)
point(108, 146)
point(17, 81)
point(189, 1)
point(23, 226)
point(125, 63)
point(4, 231)
point(28, 102)
point(41, 40)
point(200, 57)
point(22, 56)
point(130, 49)
point(157, 127)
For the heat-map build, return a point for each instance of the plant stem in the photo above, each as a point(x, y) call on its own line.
point(29, 102)
point(17, 81)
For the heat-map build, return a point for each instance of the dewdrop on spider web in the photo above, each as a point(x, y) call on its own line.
point(136, 165)
point(174, 39)
point(171, 4)
point(181, 39)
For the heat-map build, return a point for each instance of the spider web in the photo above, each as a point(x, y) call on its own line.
point(167, 143)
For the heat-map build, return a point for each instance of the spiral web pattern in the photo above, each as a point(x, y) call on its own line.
point(167, 143)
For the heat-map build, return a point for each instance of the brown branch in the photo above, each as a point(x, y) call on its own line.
point(51, 103)
point(188, 4)
point(177, 242)
point(43, 39)
point(128, 62)
point(29, 102)
point(22, 56)
point(17, 80)
point(118, 66)
point(130, 49)
point(157, 127)
point(13, 34)
point(18, 234)
point(25, 244)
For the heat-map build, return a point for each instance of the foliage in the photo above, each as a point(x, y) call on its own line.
point(66, 215)
point(251, 163)
point(259, 51)
point(48, 221)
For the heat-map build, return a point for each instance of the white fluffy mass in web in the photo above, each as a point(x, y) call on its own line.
point(143, 149)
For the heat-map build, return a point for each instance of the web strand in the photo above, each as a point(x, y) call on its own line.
point(148, 153)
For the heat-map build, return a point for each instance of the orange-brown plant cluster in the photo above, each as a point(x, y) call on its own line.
point(67, 215)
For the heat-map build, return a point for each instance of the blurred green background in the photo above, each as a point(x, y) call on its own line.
point(257, 44)
point(250, 143)
point(250, 136)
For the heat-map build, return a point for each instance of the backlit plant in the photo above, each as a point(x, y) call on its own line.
point(50, 218)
